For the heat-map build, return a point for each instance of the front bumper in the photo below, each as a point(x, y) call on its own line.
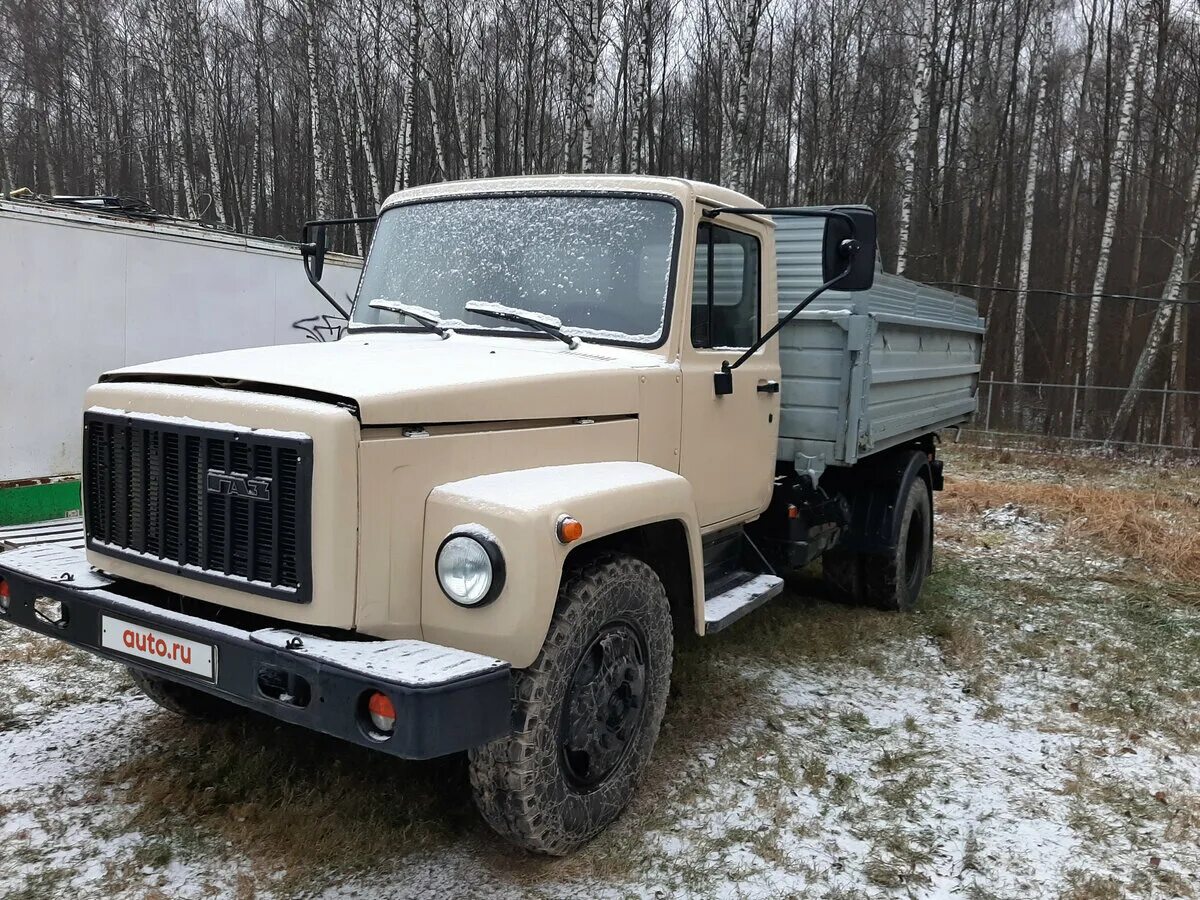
point(446, 700)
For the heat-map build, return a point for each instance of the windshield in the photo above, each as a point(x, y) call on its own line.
point(600, 264)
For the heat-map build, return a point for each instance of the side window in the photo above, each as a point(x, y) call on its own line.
point(725, 288)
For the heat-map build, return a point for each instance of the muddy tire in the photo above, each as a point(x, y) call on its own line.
point(894, 581)
point(183, 700)
point(586, 714)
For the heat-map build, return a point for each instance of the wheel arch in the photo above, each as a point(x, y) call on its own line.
point(874, 490)
point(619, 504)
point(666, 547)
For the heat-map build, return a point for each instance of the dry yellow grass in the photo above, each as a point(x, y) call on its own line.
point(1159, 528)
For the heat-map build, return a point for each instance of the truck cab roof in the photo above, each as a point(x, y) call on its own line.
point(683, 189)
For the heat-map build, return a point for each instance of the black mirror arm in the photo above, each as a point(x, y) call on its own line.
point(324, 293)
point(723, 380)
point(311, 248)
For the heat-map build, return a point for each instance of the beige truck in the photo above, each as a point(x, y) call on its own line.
point(569, 416)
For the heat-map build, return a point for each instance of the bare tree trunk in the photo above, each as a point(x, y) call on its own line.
point(408, 90)
point(311, 43)
point(438, 142)
point(593, 45)
point(364, 136)
point(348, 160)
point(920, 103)
point(1180, 267)
point(1031, 176)
point(1120, 155)
point(746, 34)
point(10, 182)
point(486, 163)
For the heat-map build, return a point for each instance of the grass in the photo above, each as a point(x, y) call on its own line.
point(1152, 517)
point(1112, 661)
point(287, 797)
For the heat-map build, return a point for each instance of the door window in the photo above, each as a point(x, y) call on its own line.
point(725, 288)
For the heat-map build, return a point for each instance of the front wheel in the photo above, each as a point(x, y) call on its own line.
point(586, 713)
point(183, 700)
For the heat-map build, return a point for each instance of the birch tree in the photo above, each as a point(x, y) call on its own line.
point(1120, 156)
point(1181, 264)
point(742, 19)
point(1031, 179)
point(918, 109)
point(312, 41)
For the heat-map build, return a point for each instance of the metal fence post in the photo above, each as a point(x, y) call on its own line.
point(987, 415)
point(1074, 404)
point(1162, 417)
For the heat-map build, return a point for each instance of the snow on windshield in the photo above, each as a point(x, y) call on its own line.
point(600, 264)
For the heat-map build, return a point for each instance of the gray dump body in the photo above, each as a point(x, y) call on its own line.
point(867, 370)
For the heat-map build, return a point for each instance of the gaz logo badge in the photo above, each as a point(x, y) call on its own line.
point(231, 484)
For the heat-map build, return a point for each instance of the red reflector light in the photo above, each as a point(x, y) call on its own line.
point(5, 596)
point(383, 713)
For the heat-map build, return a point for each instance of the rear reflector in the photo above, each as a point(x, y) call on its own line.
point(5, 596)
point(383, 713)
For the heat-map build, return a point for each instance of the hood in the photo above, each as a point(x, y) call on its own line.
point(419, 379)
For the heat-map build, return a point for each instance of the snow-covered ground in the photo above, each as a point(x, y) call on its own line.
point(1032, 732)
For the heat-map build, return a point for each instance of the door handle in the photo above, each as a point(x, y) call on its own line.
point(768, 387)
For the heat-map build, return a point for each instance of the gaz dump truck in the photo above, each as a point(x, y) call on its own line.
point(570, 415)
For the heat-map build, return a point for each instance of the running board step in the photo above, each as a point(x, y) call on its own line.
point(722, 610)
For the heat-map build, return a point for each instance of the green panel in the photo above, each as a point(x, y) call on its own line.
point(39, 502)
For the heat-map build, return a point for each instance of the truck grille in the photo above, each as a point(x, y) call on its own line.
point(221, 504)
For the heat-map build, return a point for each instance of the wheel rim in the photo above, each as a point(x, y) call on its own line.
point(602, 711)
point(914, 551)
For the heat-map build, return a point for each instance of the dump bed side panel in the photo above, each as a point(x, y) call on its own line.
point(867, 370)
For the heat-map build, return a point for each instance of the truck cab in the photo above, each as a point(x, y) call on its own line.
point(548, 439)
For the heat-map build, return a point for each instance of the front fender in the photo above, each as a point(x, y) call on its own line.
point(522, 510)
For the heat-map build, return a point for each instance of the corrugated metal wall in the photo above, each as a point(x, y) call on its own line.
point(867, 370)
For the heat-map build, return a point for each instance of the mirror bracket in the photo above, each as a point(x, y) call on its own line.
point(313, 251)
point(841, 243)
point(723, 380)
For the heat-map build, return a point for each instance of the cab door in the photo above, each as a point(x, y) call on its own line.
point(729, 441)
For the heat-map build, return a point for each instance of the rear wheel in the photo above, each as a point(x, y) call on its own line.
point(891, 580)
point(894, 581)
point(183, 700)
point(586, 713)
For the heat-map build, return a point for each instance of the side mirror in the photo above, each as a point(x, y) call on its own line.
point(839, 249)
point(314, 251)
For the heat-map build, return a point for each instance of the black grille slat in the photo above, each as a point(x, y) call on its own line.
point(232, 506)
point(276, 556)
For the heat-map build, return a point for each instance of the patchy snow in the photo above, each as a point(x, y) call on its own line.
point(412, 663)
point(1012, 517)
point(754, 591)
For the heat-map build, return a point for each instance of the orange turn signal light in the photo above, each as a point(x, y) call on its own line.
point(569, 530)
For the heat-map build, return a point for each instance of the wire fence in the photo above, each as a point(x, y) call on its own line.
point(1163, 420)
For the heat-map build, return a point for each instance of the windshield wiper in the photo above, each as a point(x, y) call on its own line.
point(542, 322)
point(426, 317)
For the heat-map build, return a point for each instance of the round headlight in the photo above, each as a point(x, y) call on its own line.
point(470, 569)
